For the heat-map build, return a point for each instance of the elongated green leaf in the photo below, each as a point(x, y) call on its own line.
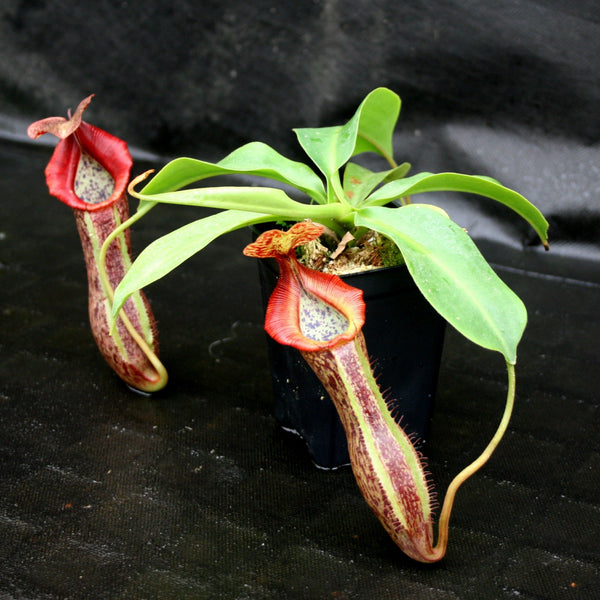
point(378, 118)
point(453, 276)
point(168, 252)
point(260, 159)
point(178, 173)
point(369, 130)
point(457, 182)
point(330, 148)
point(254, 158)
point(268, 201)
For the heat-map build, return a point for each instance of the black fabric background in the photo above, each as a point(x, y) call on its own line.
point(196, 493)
point(507, 89)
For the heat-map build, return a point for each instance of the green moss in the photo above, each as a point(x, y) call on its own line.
point(390, 253)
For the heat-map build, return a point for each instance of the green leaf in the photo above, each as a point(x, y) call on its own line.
point(254, 158)
point(457, 182)
point(359, 182)
point(374, 120)
point(268, 201)
point(178, 173)
point(452, 275)
point(331, 147)
point(168, 252)
point(378, 118)
point(260, 159)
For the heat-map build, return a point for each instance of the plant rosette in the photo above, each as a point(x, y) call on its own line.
point(347, 200)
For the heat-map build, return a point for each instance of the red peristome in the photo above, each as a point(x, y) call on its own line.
point(108, 150)
point(282, 321)
point(77, 136)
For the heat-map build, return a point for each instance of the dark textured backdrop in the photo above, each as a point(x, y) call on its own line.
point(178, 76)
point(196, 493)
point(508, 89)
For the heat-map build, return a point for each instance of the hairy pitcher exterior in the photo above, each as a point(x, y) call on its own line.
point(321, 316)
point(89, 171)
point(387, 467)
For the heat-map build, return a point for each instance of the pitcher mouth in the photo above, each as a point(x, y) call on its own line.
point(84, 146)
point(308, 310)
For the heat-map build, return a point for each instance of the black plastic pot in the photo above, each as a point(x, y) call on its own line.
point(404, 337)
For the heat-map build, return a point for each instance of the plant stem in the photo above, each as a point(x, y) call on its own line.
point(442, 541)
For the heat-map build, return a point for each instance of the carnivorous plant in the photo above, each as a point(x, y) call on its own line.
point(89, 171)
point(348, 199)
